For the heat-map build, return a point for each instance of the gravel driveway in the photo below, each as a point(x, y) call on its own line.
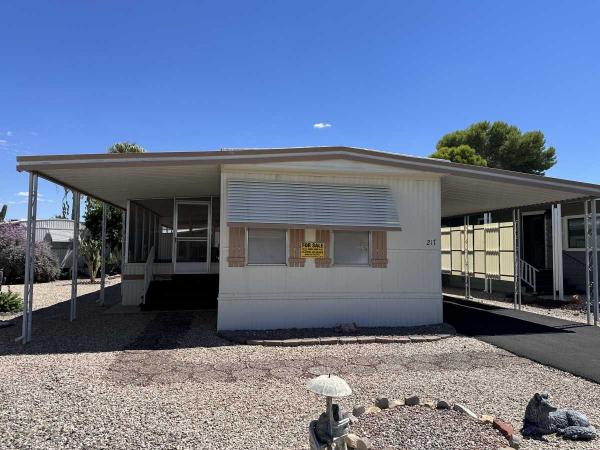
point(165, 380)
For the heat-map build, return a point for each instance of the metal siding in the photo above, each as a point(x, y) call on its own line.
point(311, 204)
point(407, 292)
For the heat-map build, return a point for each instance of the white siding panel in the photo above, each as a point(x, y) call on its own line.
point(264, 314)
point(407, 292)
point(132, 290)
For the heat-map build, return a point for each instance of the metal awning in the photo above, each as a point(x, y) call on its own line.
point(310, 205)
point(464, 189)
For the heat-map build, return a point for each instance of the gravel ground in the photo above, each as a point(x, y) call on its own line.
point(410, 427)
point(566, 313)
point(166, 380)
point(49, 294)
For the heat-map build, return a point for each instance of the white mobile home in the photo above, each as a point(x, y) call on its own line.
point(295, 237)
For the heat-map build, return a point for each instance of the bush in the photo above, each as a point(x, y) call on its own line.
point(12, 255)
point(10, 302)
point(47, 267)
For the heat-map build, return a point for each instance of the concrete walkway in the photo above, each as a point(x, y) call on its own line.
point(569, 346)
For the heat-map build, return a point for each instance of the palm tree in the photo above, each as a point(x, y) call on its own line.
point(3, 215)
point(125, 147)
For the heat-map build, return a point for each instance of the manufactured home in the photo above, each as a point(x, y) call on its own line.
point(293, 237)
point(552, 249)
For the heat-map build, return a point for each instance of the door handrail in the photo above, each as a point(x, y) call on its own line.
point(529, 274)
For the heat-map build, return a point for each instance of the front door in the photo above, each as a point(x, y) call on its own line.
point(534, 240)
point(191, 237)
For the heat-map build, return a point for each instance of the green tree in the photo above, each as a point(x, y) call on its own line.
point(503, 146)
point(92, 219)
point(125, 147)
point(3, 213)
point(462, 154)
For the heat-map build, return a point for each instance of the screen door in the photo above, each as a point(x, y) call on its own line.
point(191, 237)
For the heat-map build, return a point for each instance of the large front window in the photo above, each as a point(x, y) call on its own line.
point(351, 248)
point(576, 232)
point(266, 246)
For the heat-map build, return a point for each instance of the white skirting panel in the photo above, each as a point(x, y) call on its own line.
point(131, 292)
point(366, 310)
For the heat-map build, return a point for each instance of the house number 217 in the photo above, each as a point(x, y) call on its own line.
point(431, 242)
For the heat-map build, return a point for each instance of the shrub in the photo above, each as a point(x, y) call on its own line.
point(10, 302)
point(90, 250)
point(12, 255)
point(47, 267)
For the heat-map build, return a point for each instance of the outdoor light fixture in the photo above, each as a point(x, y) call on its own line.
point(330, 430)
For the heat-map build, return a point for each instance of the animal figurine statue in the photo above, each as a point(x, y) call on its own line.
point(543, 418)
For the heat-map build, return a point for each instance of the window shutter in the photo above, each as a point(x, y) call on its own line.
point(379, 252)
point(324, 236)
point(296, 237)
point(237, 247)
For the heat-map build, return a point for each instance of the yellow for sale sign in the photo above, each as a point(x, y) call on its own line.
point(312, 250)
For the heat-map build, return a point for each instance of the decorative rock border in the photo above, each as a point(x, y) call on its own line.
point(362, 443)
point(337, 340)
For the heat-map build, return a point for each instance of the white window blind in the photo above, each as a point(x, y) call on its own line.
point(266, 246)
point(351, 248)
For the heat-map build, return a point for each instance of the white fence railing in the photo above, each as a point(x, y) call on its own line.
point(148, 273)
point(529, 275)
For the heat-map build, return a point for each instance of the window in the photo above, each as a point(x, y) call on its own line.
point(576, 232)
point(266, 246)
point(351, 248)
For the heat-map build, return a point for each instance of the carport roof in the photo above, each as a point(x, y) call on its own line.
point(114, 178)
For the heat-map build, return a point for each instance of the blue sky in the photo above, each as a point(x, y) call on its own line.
point(391, 75)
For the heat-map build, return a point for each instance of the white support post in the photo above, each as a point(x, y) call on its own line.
point(103, 255)
point(126, 224)
point(588, 262)
point(557, 258)
point(466, 259)
point(75, 253)
point(29, 259)
point(517, 257)
point(594, 224)
point(487, 219)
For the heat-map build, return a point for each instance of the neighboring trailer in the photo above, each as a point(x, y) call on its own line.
point(58, 233)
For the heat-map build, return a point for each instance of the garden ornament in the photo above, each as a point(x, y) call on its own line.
point(330, 430)
point(542, 418)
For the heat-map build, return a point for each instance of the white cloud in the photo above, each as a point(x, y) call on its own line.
point(9, 133)
point(26, 194)
point(321, 125)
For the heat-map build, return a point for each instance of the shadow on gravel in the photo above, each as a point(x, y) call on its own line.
point(93, 331)
point(557, 343)
point(474, 319)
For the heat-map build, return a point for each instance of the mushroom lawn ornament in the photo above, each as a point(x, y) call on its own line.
point(330, 430)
